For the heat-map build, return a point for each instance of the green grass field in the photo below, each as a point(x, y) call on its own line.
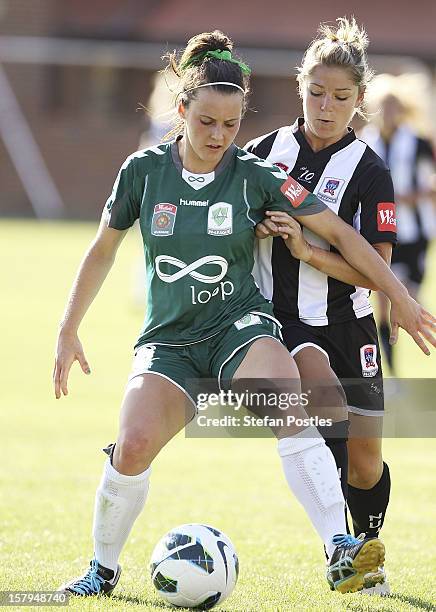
point(51, 459)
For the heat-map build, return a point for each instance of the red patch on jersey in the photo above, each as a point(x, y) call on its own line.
point(282, 166)
point(386, 220)
point(295, 192)
point(171, 208)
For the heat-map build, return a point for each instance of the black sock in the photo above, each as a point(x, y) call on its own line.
point(388, 349)
point(338, 447)
point(368, 506)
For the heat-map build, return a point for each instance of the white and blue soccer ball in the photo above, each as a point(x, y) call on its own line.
point(194, 566)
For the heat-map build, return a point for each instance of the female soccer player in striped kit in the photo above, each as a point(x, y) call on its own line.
point(396, 133)
point(198, 200)
point(321, 300)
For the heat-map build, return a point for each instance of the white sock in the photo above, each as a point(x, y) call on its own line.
point(118, 502)
point(312, 476)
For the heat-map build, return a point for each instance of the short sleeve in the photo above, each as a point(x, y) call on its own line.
point(377, 213)
point(289, 196)
point(123, 205)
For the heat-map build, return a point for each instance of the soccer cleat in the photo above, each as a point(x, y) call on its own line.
point(352, 559)
point(375, 583)
point(97, 580)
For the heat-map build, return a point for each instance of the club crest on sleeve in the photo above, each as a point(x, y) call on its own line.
point(368, 359)
point(386, 220)
point(295, 192)
point(220, 219)
point(330, 189)
point(164, 218)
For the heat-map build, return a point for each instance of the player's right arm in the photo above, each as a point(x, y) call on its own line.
point(121, 210)
point(92, 272)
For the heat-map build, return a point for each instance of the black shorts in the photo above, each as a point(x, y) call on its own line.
point(408, 261)
point(353, 351)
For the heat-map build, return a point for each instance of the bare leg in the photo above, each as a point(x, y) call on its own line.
point(153, 411)
point(268, 365)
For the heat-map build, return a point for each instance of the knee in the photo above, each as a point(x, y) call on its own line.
point(364, 469)
point(328, 401)
point(133, 447)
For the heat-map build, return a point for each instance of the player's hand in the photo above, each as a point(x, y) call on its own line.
point(290, 230)
point(68, 350)
point(266, 228)
point(418, 322)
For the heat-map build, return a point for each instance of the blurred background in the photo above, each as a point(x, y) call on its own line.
point(73, 74)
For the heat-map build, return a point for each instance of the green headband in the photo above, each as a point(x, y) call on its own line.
point(223, 55)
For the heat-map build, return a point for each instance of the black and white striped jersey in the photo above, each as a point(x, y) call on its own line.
point(356, 184)
point(411, 163)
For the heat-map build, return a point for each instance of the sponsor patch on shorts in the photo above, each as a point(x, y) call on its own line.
point(144, 357)
point(368, 359)
point(247, 320)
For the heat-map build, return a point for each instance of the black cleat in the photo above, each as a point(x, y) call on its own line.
point(97, 580)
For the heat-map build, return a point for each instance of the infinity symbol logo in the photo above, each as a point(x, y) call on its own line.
point(192, 179)
point(185, 269)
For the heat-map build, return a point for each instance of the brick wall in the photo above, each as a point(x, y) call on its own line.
point(27, 17)
point(85, 126)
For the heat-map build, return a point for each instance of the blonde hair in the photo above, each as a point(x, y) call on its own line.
point(411, 90)
point(342, 46)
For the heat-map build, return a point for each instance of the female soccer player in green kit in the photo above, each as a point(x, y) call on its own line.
point(198, 200)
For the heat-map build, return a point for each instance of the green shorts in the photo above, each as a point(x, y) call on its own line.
point(215, 358)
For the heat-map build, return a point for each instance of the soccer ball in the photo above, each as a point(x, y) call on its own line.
point(194, 566)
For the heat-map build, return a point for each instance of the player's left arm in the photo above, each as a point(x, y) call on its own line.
point(376, 221)
point(331, 264)
point(405, 311)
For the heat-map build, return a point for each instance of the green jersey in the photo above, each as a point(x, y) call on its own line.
point(198, 234)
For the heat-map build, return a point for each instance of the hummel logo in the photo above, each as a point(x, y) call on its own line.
point(194, 202)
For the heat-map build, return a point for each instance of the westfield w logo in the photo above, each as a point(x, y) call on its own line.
point(386, 220)
point(387, 216)
point(295, 192)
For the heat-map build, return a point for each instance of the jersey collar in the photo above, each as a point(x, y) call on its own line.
point(328, 151)
point(198, 181)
